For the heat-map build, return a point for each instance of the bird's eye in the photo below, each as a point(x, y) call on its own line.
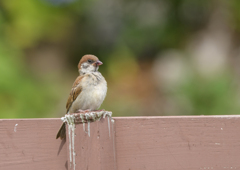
point(90, 61)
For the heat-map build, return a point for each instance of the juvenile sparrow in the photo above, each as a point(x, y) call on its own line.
point(88, 90)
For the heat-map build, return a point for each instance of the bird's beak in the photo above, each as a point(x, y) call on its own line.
point(98, 63)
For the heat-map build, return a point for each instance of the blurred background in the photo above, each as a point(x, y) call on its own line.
point(161, 57)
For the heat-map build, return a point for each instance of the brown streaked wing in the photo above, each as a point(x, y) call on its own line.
point(75, 91)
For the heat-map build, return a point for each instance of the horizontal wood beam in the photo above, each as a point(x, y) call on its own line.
point(31, 144)
point(152, 143)
point(178, 143)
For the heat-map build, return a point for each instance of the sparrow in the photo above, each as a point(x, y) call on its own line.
point(88, 91)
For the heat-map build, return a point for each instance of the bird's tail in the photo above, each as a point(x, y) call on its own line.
point(62, 132)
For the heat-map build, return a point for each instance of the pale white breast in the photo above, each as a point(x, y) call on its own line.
point(94, 90)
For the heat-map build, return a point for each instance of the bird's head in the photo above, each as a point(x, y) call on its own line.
point(89, 63)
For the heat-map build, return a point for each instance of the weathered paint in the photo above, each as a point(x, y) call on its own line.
point(73, 121)
point(136, 143)
point(32, 146)
point(95, 151)
point(178, 143)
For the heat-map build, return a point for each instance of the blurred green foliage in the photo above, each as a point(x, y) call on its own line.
point(128, 36)
point(212, 96)
point(21, 94)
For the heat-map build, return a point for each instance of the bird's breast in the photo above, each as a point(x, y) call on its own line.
point(94, 89)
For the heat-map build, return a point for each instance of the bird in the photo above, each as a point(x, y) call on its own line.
point(88, 91)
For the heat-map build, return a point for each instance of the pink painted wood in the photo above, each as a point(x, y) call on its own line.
point(151, 143)
point(94, 146)
point(178, 143)
point(31, 144)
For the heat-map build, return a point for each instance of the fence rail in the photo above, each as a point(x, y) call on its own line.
point(130, 143)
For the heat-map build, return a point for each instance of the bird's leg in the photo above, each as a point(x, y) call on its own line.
point(83, 111)
point(80, 111)
point(99, 110)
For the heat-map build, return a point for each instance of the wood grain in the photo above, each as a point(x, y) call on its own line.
point(30, 144)
point(141, 143)
point(95, 150)
point(178, 143)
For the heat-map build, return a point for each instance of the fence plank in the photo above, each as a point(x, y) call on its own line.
point(31, 144)
point(93, 146)
point(177, 143)
point(152, 143)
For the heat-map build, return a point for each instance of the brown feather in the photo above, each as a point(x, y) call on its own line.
point(62, 132)
point(75, 91)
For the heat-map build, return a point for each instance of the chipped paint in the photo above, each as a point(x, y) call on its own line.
point(88, 115)
point(109, 128)
point(95, 116)
point(85, 118)
point(15, 128)
point(89, 129)
point(69, 119)
point(207, 168)
point(114, 152)
point(82, 118)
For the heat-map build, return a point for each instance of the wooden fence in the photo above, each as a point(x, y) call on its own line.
point(130, 143)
